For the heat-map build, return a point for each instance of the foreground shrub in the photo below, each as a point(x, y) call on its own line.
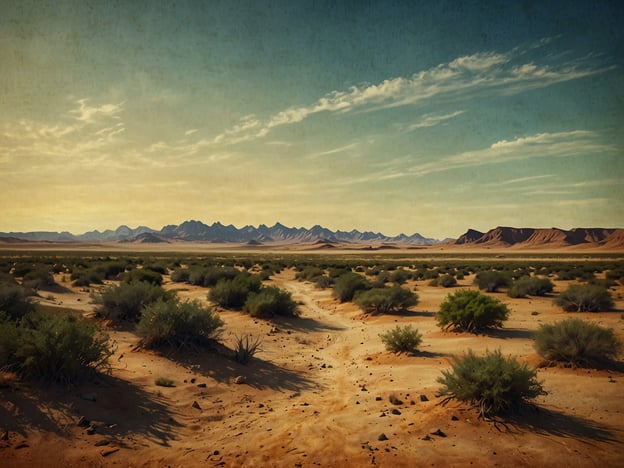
point(177, 324)
point(38, 278)
point(491, 281)
point(164, 382)
point(385, 300)
point(530, 286)
point(491, 383)
point(126, 301)
point(346, 286)
point(469, 310)
point(576, 342)
point(270, 301)
point(246, 348)
point(14, 301)
point(402, 339)
point(59, 348)
point(233, 293)
point(585, 298)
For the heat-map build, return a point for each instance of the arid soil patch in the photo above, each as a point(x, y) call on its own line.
point(322, 392)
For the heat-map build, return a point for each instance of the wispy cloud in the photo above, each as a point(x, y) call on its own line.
point(87, 113)
point(459, 79)
point(341, 149)
point(431, 120)
point(542, 145)
point(522, 180)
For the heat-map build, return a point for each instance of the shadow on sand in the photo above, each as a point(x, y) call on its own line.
point(218, 364)
point(120, 409)
point(510, 333)
point(539, 420)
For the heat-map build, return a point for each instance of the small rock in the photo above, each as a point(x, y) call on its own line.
point(5, 436)
point(426, 437)
point(437, 432)
point(91, 430)
point(106, 453)
point(102, 442)
point(424, 398)
point(454, 418)
point(193, 380)
point(240, 379)
point(378, 398)
point(21, 446)
point(201, 385)
point(395, 411)
point(382, 436)
point(196, 405)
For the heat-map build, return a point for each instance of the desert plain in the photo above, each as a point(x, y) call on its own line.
point(323, 390)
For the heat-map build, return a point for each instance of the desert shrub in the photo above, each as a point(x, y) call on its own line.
point(111, 270)
point(492, 383)
point(164, 382)
point(584, 298)
point(178, 324)
point(62, 347)
point(309, 273)
point(347, 284)
point(143, 275)
point(270, 301)
point(576, 342)
point(469, 310)
point(232, 293)
point(402, 339)
point(212, 275)
point(324, 282)
point(86, 278)
point(491, 281)
point(385, 300)
point(530, 286)
point(126, 301)
point(245, 348)
point(180, 275)
point(14, 301)
point(38, 278)
point(446, 281)
point(399, 276)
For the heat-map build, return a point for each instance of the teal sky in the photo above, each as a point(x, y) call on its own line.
point(404, 116)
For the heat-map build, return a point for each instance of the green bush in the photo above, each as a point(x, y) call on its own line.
point(164, 382)
point(86, 277)
point(399, 276)
point(585, 298)
point(385, 300)
point(347, 285)
point(126, 301)
point(14, 301)
point(576, 342)
point(270, 301)
point(402, 339)
point(491, 281)
point(177, 324)
point(60, 348)
point(38, 278)
point(144, 275)
point(181, 275)
point(530, 286)
point(233, 293)
point(469, 310)
point(446, 281)
point(491, 383)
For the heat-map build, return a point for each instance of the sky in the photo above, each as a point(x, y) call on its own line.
point(390, 116)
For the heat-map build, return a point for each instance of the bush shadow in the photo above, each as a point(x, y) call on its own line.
point(120, 409)
point(303, 324)
point(539, 420)
point(218, 364)
point(509, 333)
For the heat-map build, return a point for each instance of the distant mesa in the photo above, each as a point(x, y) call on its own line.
point(543, 238)
point(146, 238)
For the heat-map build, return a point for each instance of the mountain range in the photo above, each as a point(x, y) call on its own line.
point(196, 231)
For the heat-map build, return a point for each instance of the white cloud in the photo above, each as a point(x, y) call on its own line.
point(430, 120)
point(459, 79)
point(88, 114)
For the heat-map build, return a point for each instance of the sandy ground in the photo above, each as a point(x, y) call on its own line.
point(319, 394)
